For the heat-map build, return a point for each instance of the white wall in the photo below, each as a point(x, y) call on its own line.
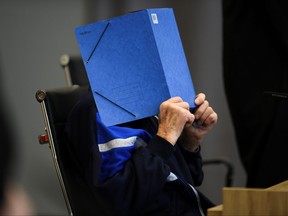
point(34, 33)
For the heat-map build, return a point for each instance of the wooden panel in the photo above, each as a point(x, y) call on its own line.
point(250, 201)
point(254, 202)
point(215, 211)
point(281, 186)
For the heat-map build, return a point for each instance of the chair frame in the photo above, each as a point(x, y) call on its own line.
point(41, 97)
point(55, 115)
point(74, 70)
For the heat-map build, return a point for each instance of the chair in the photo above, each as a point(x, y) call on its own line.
point(56, 105)
point(74, 70)
point(227, 164)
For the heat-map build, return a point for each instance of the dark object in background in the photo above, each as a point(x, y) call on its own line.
point(255, 61)
point(6, 148)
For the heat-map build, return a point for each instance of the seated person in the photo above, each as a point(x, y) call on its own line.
point(146, 167)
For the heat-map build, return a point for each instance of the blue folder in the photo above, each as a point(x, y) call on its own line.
point(134, 62)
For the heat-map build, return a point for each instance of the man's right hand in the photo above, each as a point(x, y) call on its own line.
point(174, 115)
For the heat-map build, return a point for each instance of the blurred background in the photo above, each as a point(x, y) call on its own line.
point(33, 36)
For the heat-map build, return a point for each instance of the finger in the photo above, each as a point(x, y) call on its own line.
point(211, 120)
point(178, 102)
point(209, 111)
point(191, 118)
point(201, 109)
point(200, 98)
point(184, 114)
point(176, 99)
point(184, 105)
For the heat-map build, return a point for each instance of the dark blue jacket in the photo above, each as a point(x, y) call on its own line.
point(141, 187)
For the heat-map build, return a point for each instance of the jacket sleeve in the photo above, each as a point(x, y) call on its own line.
point(194, 162)
point(143, 176)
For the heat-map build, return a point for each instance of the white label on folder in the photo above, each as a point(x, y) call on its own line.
point(154, 18)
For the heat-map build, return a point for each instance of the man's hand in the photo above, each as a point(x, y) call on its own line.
point(176, 121)
point(205, 119)
point(173, 117)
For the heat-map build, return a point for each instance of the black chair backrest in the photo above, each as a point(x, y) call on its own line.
point(58, 103)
